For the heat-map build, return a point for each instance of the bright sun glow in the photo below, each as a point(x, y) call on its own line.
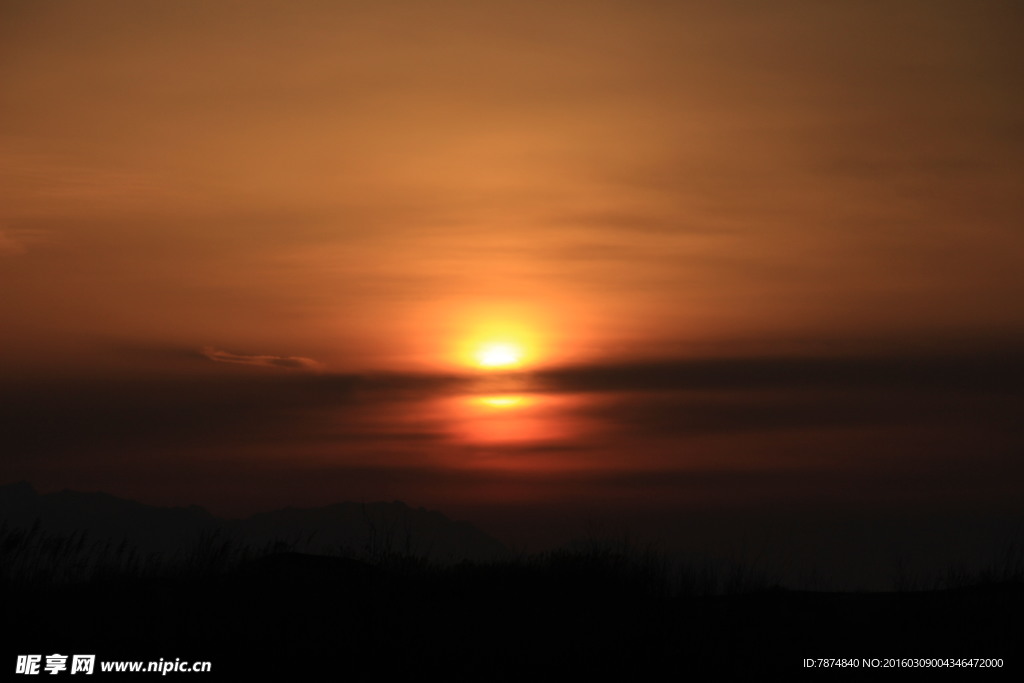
point(499, 356)
point(498, 338)
point(501, 401)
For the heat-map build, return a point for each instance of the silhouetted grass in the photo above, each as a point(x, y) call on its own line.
point(1004, 568)
point(611, 605)
point(590, 566)
point(31, 556)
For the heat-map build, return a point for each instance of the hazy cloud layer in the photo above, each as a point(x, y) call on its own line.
point(677, 400)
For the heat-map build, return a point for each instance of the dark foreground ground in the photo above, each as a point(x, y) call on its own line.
point(566, 615)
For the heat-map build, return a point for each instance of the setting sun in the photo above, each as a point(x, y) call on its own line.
point(499, 356)
point(497, 337)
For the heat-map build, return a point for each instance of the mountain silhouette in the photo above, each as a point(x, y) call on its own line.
point(356, 529)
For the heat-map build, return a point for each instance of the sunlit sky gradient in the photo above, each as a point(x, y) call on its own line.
point(748, 254)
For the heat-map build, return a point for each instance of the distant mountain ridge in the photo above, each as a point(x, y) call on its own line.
point(355, 529)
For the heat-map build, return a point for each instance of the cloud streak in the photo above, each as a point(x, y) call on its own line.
point(265, 361)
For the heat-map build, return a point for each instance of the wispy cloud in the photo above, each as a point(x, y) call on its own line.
point(267, 361)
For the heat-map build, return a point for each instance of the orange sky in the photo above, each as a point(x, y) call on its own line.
point(356, 182)
point(275, 232)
